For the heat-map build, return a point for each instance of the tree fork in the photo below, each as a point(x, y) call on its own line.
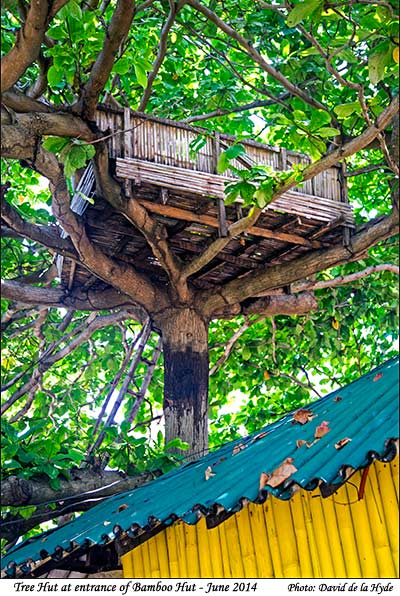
point(186, 368)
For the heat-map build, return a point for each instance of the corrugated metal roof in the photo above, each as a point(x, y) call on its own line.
point(287, 452)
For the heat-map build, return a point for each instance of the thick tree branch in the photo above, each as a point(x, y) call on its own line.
point(89, 300)
point(46, 235)
point(59, 124)
point(120, 275)
point(259, 283)
point(114, 36)
point(84, 483)
point(27, 44)
point(86, 488)
point(19, 102)
point(138, 216)
point(353, 146)
point(269, 306)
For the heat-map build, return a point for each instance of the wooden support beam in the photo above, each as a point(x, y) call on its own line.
point(246, 263)
point(183, 214)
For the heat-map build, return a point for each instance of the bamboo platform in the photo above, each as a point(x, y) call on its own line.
point(152, 158)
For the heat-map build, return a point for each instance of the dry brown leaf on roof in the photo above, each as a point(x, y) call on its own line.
point(122, 507)
point(303, 416)
point(238, 448)
point(322, 429)
point(282, 472)
point(377, 377)
point(209, 473)
point(337, 398)
point(263, 480)
point(340, 444)
point(300, 443)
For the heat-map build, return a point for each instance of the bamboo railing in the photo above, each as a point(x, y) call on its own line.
point(156, 152)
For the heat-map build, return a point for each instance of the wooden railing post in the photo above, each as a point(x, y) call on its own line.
point(127, 144)
point(223, 226)
point(344, 198)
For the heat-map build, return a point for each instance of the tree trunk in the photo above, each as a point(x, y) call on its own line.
point(185, 346)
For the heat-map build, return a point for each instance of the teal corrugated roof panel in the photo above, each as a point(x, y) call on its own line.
point(365, 412)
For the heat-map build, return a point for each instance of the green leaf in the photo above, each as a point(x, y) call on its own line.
point(69, 169)
point(54, 76)
point(302, 11)
point(55, 483)
point(246, 190)
point(246, 353)
point(263, 197)
point(195, 146)
point(223, 163)
point(74, 10)
point(77, 156)
point(344, 110)
point(177, 444)
point(377, 62)
point(327, 131)
point(55, 144)
point(319, 118)
point(226, 156)
point(141, 75)
point(27, 512)
point(122, 66)
point(234, 151)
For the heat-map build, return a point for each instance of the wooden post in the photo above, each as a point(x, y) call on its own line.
point(127, 144)
point(283, 159)
point(344, 197)
point(223, 226)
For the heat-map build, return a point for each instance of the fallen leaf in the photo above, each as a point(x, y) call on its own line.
point(322, 429)
point(122, 507)
point(238, 448)
point(337, 398)
point(282, 472)
point(300, 443)
point(340, 444)
point(209, 473)
point(260, 436)
point(263, 480)
point(377, 377)
point(303, 416)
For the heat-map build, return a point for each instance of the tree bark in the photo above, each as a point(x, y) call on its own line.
point(185, 345)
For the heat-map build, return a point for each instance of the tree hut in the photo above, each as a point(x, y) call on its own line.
point(170, 168)
point(314, 494)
